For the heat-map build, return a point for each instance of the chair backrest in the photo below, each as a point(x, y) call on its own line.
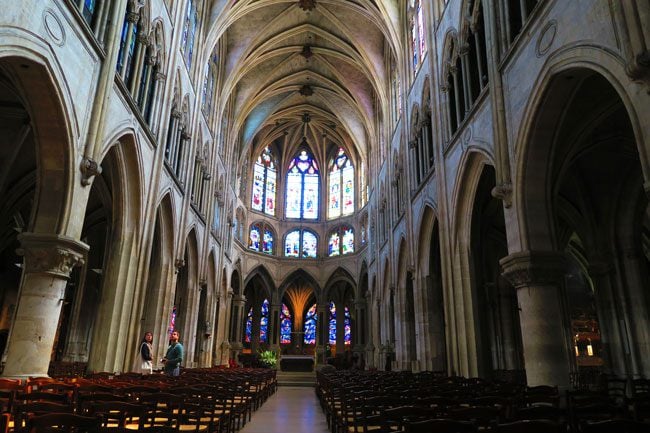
point(531, 426)
point(539, 412)
point(441, 426)
point(63, 422)
point(616, 426)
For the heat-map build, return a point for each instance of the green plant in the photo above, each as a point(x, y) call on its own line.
point(269, 357)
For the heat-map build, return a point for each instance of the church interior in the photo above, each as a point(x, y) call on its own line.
point(415, 191)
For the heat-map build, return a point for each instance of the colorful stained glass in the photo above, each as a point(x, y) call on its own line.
point(254, 238)
point(332, 324)
point(267, 245)
point(423, 42)
point(270, 192)
point(292, 244)
point(341, 186)
point(249, 326)
point(264, 182)
point(285, 325)
point(348, 240)
point(294, 193)
point(348, 189)
point(257, 199)
point(346, 324)
point(302, 187)
point(172, 321)
point(309, 244)
point(264, 321)
point(310, 326)
point(334, 245)
point(335, 193)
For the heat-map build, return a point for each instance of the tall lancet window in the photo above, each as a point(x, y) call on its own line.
point(264, 183)
point(302, 187)
point(418, 40)
point(341, 185)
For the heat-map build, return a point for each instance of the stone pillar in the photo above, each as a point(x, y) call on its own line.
point(538, 279)
point(49, 259)
point(273, 332)
point(340, 328)
point(238, 303)
point(322, 331)
point(255, 326)
point(615, 347)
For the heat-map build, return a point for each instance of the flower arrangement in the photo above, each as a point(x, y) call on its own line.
point(269, 358)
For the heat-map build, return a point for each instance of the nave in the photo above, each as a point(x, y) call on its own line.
point(289, 410)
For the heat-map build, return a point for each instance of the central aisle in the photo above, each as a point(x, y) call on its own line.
point(291, 410)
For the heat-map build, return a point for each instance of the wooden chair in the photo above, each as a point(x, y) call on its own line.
point(24, 411)
point(616, 426)
point(118, 416)
point(63, 422)
point(441, 426)
point(531, 426)
point(550, 413)
point(4, 422)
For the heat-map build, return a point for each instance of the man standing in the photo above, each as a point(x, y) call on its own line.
point(174, 356)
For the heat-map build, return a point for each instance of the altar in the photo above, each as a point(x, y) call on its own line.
point(297, 363)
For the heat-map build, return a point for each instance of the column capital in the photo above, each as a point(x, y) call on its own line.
point(239, 298)
point(50, 254)
point(527, 268)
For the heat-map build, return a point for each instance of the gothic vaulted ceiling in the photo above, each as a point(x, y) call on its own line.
point(287, 58)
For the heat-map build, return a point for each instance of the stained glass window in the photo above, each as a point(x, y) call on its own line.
point(310, 325)
point(254, 238)
point(267, 245)
point(292, 244)
point(302, 187)
point(285, 325)
point(346, 324)
point(341, 241)
point(423, 42)
point(348, 240)
point(209, 83)
point(264, 321)
point(264, 183)
point(260, 238)
point(249, 326)
point(189, 31)
point(341, 185)
point(172, 321)
point(334, 247)
point(301, 244)
point(332, 324)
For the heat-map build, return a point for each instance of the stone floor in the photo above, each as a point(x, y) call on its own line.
point(291, 410)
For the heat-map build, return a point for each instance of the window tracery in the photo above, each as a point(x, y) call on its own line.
point(302, 192)
point(264, 183)
point(261, 238)
point(341, 185)
point(301, 243)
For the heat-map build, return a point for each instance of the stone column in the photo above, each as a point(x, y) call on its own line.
point(273, 331)
point(255, 326)
point(322, 331)
point(538, 279)
point(238, 302)
point(340, 328)
point(49, 259)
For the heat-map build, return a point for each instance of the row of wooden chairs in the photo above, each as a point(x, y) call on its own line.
point(206, 400)
point(361, 402)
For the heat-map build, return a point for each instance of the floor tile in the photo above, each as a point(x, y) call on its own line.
point(290, 410)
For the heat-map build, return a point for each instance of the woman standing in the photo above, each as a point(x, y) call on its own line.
point(146, 353)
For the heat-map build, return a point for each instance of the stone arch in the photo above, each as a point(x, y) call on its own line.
point(464, 312)
point(156, 305)
point(431, 296)
point(36, 87)
point(263, 274)
point(594, 135)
